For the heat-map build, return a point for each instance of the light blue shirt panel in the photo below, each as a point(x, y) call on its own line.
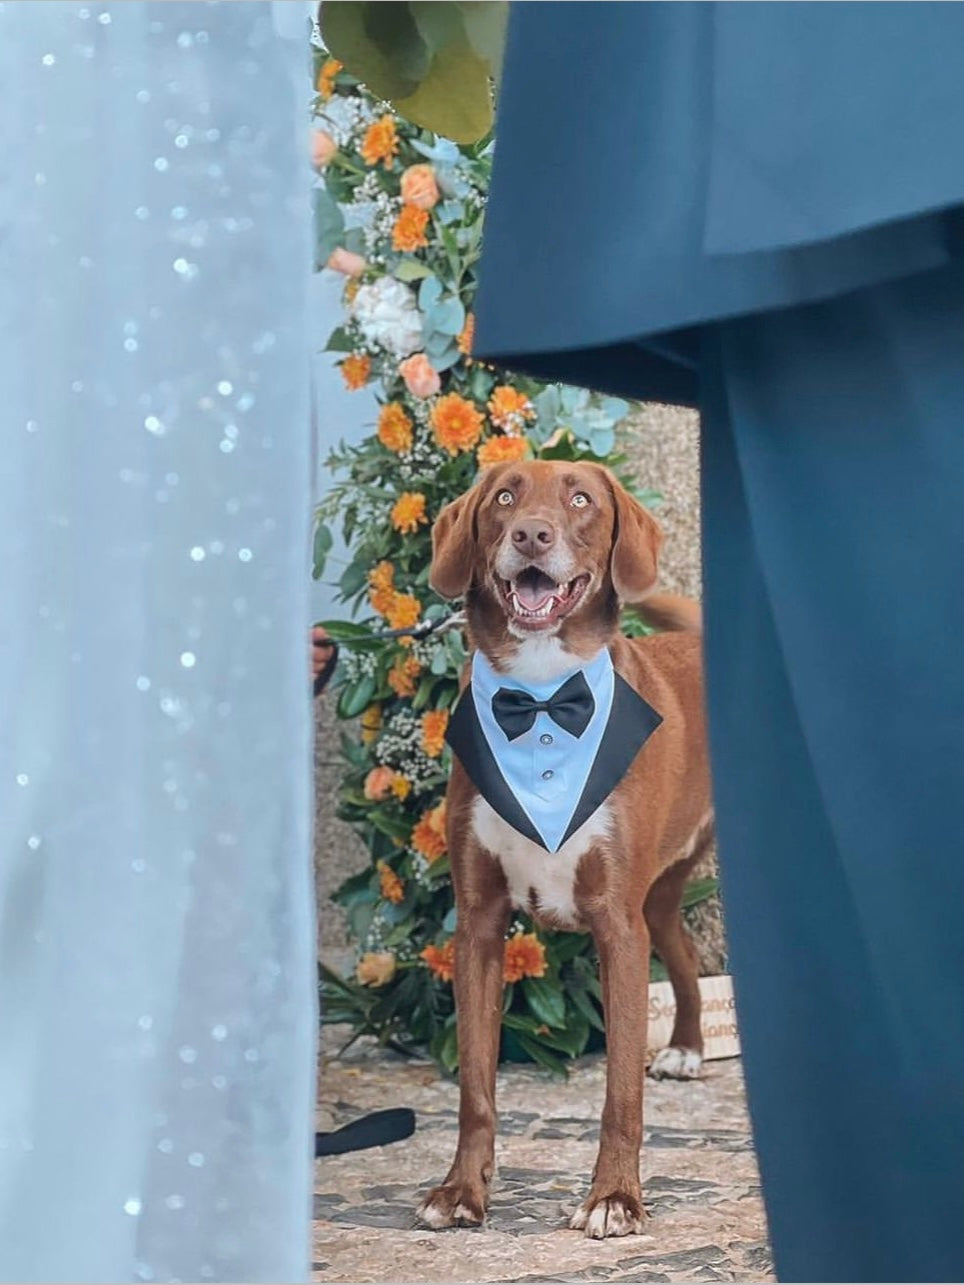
point(546, 768)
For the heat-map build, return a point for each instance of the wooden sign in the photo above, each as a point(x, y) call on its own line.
point(720, 1038)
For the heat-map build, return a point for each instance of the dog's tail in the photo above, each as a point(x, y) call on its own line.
point(671, 611)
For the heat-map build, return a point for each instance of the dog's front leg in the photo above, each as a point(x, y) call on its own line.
point(479, 950)
point(614, 1206)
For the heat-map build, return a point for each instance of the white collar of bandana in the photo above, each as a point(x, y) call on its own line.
point(546, 767)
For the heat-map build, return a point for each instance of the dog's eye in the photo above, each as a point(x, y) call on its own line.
point(505, 498)
point(580, 500)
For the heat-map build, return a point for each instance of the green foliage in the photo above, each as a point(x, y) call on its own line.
point(433, 61)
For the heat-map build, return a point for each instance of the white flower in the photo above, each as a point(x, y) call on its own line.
point(388, 315)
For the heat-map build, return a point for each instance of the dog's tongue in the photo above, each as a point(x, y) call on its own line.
point(534, 588)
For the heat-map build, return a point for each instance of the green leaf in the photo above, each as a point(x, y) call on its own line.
point(454, 99)
point(389, 825)
point(699, 890)
point(412, 270)
point(587, 1008)
point(541, 1055)
point(545, 999)
point(329, 226)
point(485, 23)
point(449, 922)
point(338, 341)
point(657, 970)
point(378, 43)
point(354, 579)
point(320, 550)
point(444, 1047)
point(356, 697)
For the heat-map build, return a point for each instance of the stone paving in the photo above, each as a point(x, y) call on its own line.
point(701, 1184)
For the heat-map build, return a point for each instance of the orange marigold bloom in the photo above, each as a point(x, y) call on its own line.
point(525, 956)
point(326, 77)
point(395, 428)
point(392, 888)
point(509, 408)
point(380, 142)
point(404, 611)
point(408, 512)
point(457, 423)
point(467, 335)
point(441, 960)
point(381, 590)
point(371, 721)
point(401, 786)
point(502, 450)
point(402, 675)
point(434, 725)
point(355, 370)
point(428, 836)
point(408, 234)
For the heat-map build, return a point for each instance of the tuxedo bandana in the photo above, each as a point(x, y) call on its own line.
point(545, 756)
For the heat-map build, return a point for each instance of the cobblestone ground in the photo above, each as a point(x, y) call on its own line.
point(701, 1184)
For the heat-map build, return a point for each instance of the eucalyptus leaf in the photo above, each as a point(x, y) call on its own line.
point(382, 48)
point(329, 225)
point(449, 922)
point(412, 270)
point(320, 550)
point(356, 697)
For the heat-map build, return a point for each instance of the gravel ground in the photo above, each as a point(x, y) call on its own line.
point(701, 1185)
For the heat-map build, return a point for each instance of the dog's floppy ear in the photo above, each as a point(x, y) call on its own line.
point(454, 546)
point(637, 538)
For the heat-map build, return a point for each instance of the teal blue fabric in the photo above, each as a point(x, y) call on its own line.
point(754, 209)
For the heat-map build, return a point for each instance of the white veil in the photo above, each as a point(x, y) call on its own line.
point(157, 982)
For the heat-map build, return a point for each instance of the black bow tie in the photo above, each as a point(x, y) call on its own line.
point(571, 707)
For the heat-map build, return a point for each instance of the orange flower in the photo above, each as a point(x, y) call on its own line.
point(346, 262)
point(419, 187)
point(326, 77)
point(401, 786)
point(408, 512)
point(456, 422)
point(381, 590)
point(394, 428)
point(371, 721)
point(525, 956)
point(467, 335)
point(441, 960)
point(402, 675)
point(355, 370)
point(380, 142)
point(502, 450)
point(378, 783)
point(408, 234)
point(323, 148)
point(392, 888)
point(509, 408)
point(421, 378)
point(428, 836)
point(404, 611)
point(434, 725)
point(376, 968)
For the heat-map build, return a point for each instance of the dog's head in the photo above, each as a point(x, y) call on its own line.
point(551, 547)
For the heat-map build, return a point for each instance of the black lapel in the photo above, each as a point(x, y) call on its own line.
point(632, 721)
point(468, 743)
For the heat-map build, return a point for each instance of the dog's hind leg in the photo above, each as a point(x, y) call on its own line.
point(683, 1058)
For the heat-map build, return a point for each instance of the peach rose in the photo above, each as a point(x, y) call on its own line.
point(419, 187)
point(376, 968)
point(347, 262)
point(420, 379)
point(378, 782)
point(323, 148)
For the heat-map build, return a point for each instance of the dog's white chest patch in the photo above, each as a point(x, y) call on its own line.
point(539, 881)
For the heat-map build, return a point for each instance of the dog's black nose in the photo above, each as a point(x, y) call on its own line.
point(533, 537)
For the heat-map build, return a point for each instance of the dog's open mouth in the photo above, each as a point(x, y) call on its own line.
point(536, 601)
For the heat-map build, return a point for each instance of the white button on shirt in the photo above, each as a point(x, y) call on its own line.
point(546, 768)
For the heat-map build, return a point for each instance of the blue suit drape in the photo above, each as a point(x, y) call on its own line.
point(753, 209)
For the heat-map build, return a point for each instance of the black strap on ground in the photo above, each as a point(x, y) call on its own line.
point(375, 1130)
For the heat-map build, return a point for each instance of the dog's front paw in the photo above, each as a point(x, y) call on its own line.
point(676, 1064)
point(454, 1204)
point(615, 1214)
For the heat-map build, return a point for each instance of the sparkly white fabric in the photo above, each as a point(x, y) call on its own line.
point(156, 957)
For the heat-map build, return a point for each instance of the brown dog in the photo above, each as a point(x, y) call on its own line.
point(544, 554)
